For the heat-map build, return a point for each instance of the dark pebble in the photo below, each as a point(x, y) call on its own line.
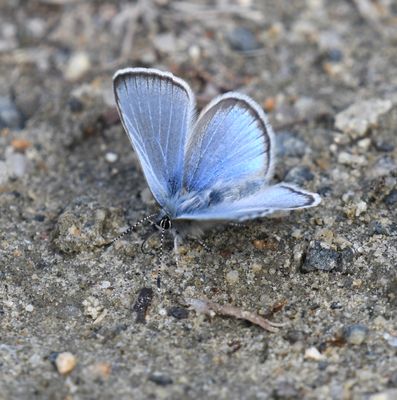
point(178, 312)
point(75, 105)
point(391, 198)
point(242, 39)
point(335, 305)
point(160, 379)
point(39, 217)
point(293, 336)
point(288, 145)
point(320, 259)
point(142, 304)
point(16, 194)
point(299, 175)
point(355, 334)
point(381, 145)
point(324, 191)
point(10, 117)
point(335, 55)
point(53, 356)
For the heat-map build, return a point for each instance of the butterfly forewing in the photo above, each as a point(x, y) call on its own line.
point(156, 110)
point(231, 141)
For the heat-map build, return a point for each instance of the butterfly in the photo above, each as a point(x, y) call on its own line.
point(205, 170)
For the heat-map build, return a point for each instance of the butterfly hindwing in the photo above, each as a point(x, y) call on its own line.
point(258, 204)
point(231, 141)
point(156, 110)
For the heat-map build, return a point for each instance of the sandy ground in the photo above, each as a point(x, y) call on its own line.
point(326, 73)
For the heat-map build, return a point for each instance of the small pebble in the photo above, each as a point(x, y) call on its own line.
point(320, 258)
point(17, 164)
point(242, 39)
point(65, 362)
point(29, 308)
point(389, 394)
point(77, 66)
point(75, 105)
point(10, 117)
point(357, 119)
point(355, 334)
point(20, 144)
point(313, 354)
point(160, 379)
point(391, 198)
point(364, 144)
point(351, 159)
point(105, 285)
point(163, 312)
point(361, 207)
point(111, 157)
point(178, 312)
point(336, 305)
point(232, 277)
point(390, 339)
point(382, 145)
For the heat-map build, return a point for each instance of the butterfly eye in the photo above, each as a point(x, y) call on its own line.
point(165, 223)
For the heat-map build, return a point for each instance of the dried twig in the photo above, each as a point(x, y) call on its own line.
point(210, 308)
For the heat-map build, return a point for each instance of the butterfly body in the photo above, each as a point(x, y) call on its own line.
point(202, 171)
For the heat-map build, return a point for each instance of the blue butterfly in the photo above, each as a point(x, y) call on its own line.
point(207, 170)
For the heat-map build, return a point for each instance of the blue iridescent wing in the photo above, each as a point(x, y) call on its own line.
point(262, 202)
point(156, 110)
point(231, 141)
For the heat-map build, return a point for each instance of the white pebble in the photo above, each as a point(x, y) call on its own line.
point(162, 312)
point(351, 159)
point(111, 157)
point(361, 207)
point(77, 66)
point(313, 354)
point(105, 284)
point(29, 308)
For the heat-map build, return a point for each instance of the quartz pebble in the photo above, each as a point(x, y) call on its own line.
point(111, 157)
point(65, 362)
point(77, 66)
point(313, 354)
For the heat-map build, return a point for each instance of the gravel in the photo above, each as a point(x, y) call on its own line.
point(70, 182)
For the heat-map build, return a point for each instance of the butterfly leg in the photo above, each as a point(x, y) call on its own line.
point(176, 250)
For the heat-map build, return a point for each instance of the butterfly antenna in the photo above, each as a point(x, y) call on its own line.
point(129, 229)
point(158, 277)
